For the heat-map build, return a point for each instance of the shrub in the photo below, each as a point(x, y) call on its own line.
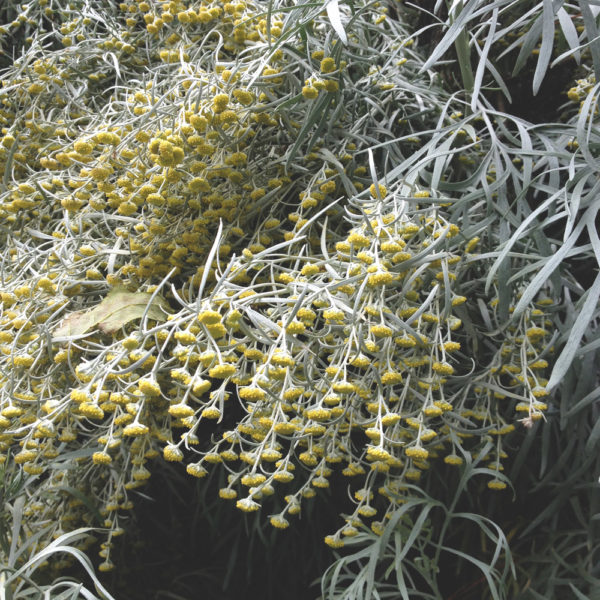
point(283, 242)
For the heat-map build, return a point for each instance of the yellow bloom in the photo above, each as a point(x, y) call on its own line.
point(443, 368)
point(295, 328)
point(172, 453)
point(318, 414)
point(378, 191)
point(417, 452)
point(135, 430)
point(209, 317)
point(327, 65)
point(358, 240)
point(381, 331)
point(310, 92)
point(211, 412)
point(378, 453)
point(251, 394)
point(247, 505)
point(496, 484)
point(244, 97)
point(279, 522)
point(181, 410)
point(149, 387)
point(101, 458)
point(91, 410)
point(196, 470)
point(333, 314)
point(283, 476)
point(227, 494)
point(334, 541)
point(222, 371)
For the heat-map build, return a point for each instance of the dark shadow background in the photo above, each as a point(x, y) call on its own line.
point(186, 543)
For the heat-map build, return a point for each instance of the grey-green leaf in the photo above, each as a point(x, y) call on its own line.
point(563, 362)
point(333, 13)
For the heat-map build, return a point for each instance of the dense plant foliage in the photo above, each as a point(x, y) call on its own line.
point(296, 247)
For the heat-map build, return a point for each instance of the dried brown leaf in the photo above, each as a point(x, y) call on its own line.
point(116, 310)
